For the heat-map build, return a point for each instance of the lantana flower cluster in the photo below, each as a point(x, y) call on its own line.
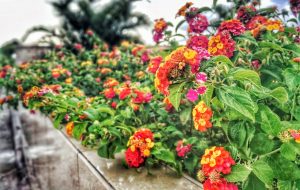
point(215, 162)
point(139, 147)
point(257, 23)
point(295, 134)
point(159, 27)
point(59, 70)
point(182, 150)
point(38, 92)
point(174, 66)
point(4, 70)
point(199, 43)
point(154, 64)
point(234, 26)
point(221, 44)
point(135, 95)
point(201, 116)
point(198, 22)
point(193, 95)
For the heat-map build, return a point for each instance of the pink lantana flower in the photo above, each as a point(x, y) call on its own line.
point(192, 95)
point(201, 90)
point(201, 77)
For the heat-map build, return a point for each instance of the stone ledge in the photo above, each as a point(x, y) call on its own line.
point(112, 175)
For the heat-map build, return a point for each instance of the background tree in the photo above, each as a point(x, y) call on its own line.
point(111, 22)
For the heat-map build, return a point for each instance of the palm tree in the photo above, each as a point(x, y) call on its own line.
point(111, 22)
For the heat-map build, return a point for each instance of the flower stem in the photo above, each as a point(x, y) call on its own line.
point(270, 153)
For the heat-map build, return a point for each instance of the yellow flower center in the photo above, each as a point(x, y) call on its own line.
point(212, 162)
point(202, 122)
point(204, 161)
point(132, 148)
point(220, 46)
point(189, 54)
point(146, 152)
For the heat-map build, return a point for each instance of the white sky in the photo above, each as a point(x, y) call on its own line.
point(16, 16)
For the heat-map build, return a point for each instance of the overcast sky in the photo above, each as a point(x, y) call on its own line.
point(16, 16)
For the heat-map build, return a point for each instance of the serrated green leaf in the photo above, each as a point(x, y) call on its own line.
point(164, 155)
point(221, 59)
point(79, 129)
point(238, 173)
point(270, 45)
point(263, 171)
point(292, 78)
point(293, 48)
point(185, 115)
point(92, 114)
point(253, 183)
point(261, 144)
point(239, 100)
point(246, 75)
point(283, 168)
point(57, 120)
point(208, 94)
point(280, 94)
point(284, 185)
point(287, 151)
point(175, 94)
point(269, 121)
point(190, 163)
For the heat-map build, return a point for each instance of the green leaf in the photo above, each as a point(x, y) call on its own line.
point(284, 185)
point(164, 155)
point(204, 9)
point(269, 121)
point(221, 59)
point(247, 37)
point(293, 20)
point(284, 169)
point(239, 100)
point(175, 94)
point(261, 144)
point(292, 78)
point(237, 134)
point(280, 94)
point(57, 120)
point(115, 132)
point(79, 129)
point(179, 24)
point(208, 94)
point(126, 113)
point(92, 114)
point(190, 163)
point(263, 171)
point(103, 149)
point(253, 183)
point(293, 48)
point(238, 173)
point(185, 115)
point(106, 109)
point(270, 45)
point(106, 123)
point(287, 151)
point(246, 75)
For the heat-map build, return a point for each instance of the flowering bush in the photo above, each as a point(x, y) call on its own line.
point(239, 96)
point(224, 107)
